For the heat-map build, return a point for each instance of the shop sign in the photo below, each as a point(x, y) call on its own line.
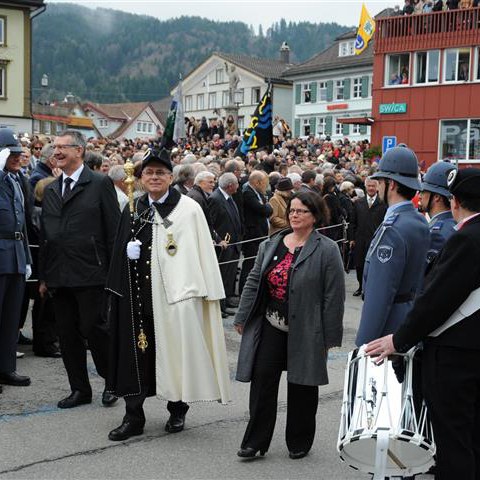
point(388, 108)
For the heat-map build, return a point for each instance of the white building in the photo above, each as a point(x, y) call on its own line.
point(124, 120)
point(206, 88)
point(15, 62)
point(333, 92)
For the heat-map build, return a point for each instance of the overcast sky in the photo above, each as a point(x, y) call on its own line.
point(252, 12)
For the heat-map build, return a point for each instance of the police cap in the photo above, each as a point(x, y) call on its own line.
point(465, 183)
point(9, 140)
point(400, 164)
point(435, 180)
point(156, 155)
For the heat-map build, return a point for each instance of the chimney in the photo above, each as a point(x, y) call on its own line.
point(285, 53)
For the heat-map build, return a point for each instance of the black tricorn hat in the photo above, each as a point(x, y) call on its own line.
point(465, 182)
point(156, 155)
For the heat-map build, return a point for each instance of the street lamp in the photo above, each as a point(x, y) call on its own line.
point(44, 84)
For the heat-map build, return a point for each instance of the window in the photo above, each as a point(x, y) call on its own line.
point(3, 92)
point(346, 49)
point(200, 101)
point(36, 126)
point(47, 128)
point(397, 69)
point(338, 128)
point(225, 98)
point(144, 127)
point(60, 127)
point(457, 65)
point(321, 125)
point(307, 92)
point(2, 30)
point(460, 140)
point(306, 127)
point(356, 129)
point(212, 100)
point(241, 124)
point(256, 95)
point(339, 89)
point(102, 123)
point(427, 66)
point(357, 87)
point(239, 96)
point(219, 75)
point(188, 103)
point(322, 92)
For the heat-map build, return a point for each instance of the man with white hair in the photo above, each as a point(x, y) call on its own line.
point(227, 223)
point(296, 181)
point(118, 175)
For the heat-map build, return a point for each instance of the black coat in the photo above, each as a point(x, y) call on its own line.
point(364, 223)
point(202, 199)
point(454, 275)
point(255, 213)
point(77, 236)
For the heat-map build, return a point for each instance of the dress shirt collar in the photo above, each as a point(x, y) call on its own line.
point(160, 200)
point(466, 220)
point(224, 193)
point(74, 176)
point(391, 210)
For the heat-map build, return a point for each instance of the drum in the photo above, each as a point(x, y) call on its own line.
point(384, 427)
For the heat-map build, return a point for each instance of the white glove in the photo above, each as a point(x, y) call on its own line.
point(28, 272)
point(4, 154)
point(133, 250)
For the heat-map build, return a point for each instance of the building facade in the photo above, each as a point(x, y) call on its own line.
point(426, 88)
point(15, 59)
point(206, 89)
point(333, 92)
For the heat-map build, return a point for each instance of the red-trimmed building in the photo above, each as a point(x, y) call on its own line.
point(426, 84)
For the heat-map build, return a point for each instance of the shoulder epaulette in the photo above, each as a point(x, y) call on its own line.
point(437, 226)
point(390, 220)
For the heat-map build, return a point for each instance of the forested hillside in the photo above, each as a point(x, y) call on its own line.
point(112, 56)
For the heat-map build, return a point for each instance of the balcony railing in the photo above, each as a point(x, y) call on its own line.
point(452, 28)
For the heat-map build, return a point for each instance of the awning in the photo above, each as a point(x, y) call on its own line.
point(356, 120)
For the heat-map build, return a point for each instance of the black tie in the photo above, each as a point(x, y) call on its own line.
point(233, 207)
point(68, 188)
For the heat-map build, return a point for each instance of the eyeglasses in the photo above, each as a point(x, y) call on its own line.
point(298, 211)
point(37, 148)
point(158, 173)
point(63, 147)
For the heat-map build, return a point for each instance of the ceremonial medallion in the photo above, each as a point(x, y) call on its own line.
point(142, 341)
point(171, 246)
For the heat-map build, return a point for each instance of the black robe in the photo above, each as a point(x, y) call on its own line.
point(131, 371)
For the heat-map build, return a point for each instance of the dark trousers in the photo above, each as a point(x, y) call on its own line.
point(11, 295)
point(43, 319)
point(451, 385)
point(302, 400)
point(249, 250)
point(229, 270)
point(134, 408)
point(79, 315)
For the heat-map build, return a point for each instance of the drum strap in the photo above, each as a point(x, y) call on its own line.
point(467, 308)
point(381, 454)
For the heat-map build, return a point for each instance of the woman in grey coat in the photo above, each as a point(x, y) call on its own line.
point(290, 314)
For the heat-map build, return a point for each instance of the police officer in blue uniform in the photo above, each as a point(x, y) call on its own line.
point(395, 261)
point(15, 258)
point(435, 200)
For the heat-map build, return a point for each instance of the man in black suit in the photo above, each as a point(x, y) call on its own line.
point(79, 221)
point(256, 210)
point(446, 317)
point(226, 222)
point(368, 214)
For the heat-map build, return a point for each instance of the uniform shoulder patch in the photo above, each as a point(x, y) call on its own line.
point(437, 226)
point(390, 220)
point(384, 253)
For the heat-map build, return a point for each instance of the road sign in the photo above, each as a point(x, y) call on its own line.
point(388, 143)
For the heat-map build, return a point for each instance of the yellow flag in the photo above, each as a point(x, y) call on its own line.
point(366, 29)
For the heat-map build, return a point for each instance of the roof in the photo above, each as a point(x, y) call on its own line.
point(124, 112)
point(329, 59)
point(269, 69)
point(162, 107)
point(32, 4)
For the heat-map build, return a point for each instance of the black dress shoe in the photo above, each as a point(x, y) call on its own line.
point(231, 303)
point(175, 423)
point(48, 353)
point(228, 312)
point(23, 340)
point(297, 455)
point(357, 293)
point(126, 430)
point(108, 399)
point(249, 452)
point(225, 315)
point(74, 400)
point(14, 379)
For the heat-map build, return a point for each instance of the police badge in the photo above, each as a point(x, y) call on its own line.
point(384, 253)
